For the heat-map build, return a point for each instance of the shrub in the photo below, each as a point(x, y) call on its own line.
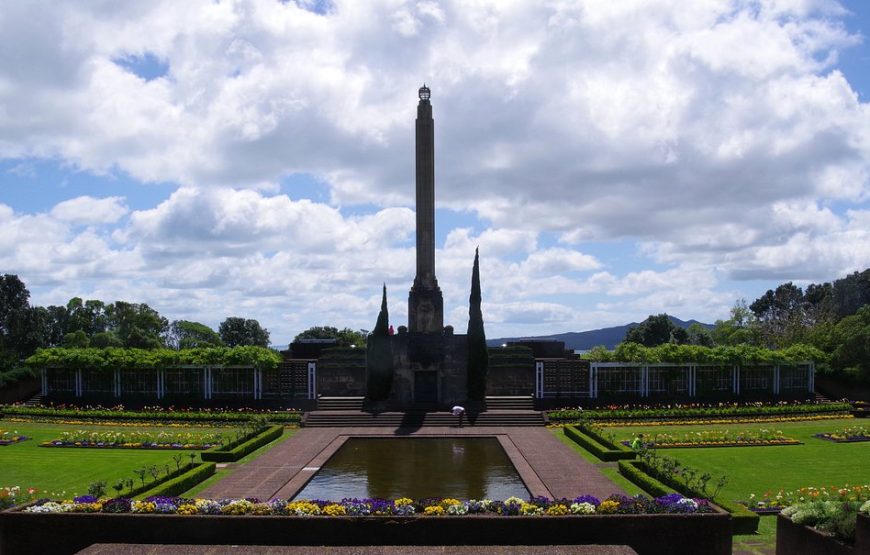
point(181, 482)
point(598, 446)
point(236, 450)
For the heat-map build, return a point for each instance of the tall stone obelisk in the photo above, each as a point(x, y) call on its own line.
point(425, 302)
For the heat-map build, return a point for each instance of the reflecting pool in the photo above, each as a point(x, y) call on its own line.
point(388, 468)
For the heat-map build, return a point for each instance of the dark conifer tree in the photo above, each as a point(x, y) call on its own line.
point(379, 356)
point(478, 356)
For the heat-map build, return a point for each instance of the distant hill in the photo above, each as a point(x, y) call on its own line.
point(609, 337)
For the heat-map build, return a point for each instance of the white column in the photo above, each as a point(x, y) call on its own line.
point(117, 382)
point(258, 384)
point(811, 377)
point(736, 373)
point(78, 382)
point(776, 386)
point(644, 381)
point(539, 379)
point(593, 370)
point(312, 380)
point(207, 383)
point(44, 377)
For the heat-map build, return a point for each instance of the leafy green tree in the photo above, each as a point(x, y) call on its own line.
point(105, 339)
point(76, 340)
point(851, 340)
point(236, 331)
point(740, 328)
point(345, 337)
point(850, 293)
point(478, 355)
point(699, 335)
point(657, 330)
point(88, 316)
point(184, 334)
point(783, 315)
point(379, 356)
point(136, 325)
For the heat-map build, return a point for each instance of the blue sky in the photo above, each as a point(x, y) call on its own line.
point(255, 158)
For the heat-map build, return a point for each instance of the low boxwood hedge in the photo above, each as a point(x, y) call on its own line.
point(199, 416)
point(238, 449)
point(677, 413)
point(179, 484)
point(597, 445)
point(743, 521)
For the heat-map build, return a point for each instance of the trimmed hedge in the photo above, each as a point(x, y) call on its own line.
point(572, 415)
point(181, 483)
point(146, 415)
point(597, 446)
point(236, 450)
point(743, 520)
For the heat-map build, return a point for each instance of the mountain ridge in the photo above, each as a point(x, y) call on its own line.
point(584, 340)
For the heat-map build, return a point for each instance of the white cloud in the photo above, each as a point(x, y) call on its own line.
point(90, 210)
point(719, 136)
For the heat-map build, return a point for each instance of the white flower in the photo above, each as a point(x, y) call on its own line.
point(582, 508)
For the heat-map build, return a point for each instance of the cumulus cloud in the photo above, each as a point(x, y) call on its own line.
point(89, 210)
point(719, 136)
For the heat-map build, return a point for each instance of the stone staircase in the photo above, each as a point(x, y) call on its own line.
point(819, 398)
point(340, 403)
point(417, 419)
point(525, 402)
point(34, 401)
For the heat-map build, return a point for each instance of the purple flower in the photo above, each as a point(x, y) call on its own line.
point(591, 499)
point(85, 499)
point(117, 505)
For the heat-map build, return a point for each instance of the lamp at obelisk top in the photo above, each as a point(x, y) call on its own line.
point(425, 302)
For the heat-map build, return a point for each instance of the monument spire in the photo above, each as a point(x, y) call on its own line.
point(425, 303)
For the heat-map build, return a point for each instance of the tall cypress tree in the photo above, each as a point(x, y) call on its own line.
point(478, 356)
point(379, 356)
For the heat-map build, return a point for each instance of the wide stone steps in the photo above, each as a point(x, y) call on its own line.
point(342, 419)
point(340, 403)
point(525, 402)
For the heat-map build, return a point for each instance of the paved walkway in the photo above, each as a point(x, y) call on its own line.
point(547, 466)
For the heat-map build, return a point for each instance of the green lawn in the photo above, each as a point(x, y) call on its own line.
point(759, 469)
point(64, 472)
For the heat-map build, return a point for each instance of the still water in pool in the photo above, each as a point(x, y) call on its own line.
point(388, 468)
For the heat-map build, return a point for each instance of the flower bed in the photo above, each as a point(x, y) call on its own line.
point(698, 411)
point(111, 439)
point(823, 527)
point(150, 414)
point(8, 438)
point(847, 435)
point(648, 525)
point(770, 502)
point(718, 438)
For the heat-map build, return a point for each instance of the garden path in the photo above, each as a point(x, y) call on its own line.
point(547, 466)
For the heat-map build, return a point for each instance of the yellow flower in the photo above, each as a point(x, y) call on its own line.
point(334, 510)
point(187, 509)
point(557, 510)
point(608, 507)
point(529, 509)
point(403, 501)
point(447, 502)
point(433, 510)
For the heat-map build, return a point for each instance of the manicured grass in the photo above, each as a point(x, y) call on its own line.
point(759, 469)
point(65, 472)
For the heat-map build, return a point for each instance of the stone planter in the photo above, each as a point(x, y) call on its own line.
point(648, 534)
point(797, 539)
point(862, 532)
